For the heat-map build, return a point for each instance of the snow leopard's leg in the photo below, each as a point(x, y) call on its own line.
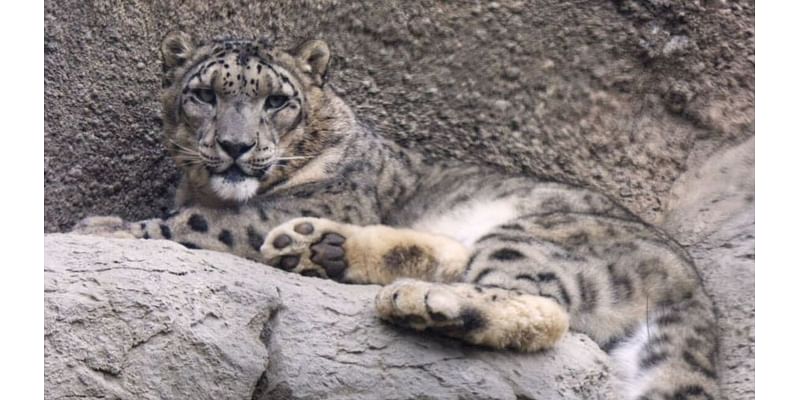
point(239, 233)
point(362, 254)
point(493, 317)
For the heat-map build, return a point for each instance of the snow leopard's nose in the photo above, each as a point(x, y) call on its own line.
point(235, 149)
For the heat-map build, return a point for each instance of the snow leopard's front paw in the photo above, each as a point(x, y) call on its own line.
point(107, 226)
point(308, 246)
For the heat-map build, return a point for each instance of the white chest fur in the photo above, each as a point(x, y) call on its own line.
point(468, 222)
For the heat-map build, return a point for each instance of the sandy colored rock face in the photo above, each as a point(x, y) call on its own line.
point(613, 94)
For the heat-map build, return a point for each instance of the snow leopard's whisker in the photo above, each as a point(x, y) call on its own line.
point(190, 163)
point(188, 159)
point(184, 147)
point(181, 157)
point(183, 154)
point(293, 158)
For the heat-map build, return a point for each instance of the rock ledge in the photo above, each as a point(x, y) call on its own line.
point(136, 319)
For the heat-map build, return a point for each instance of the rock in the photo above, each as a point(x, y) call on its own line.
point(702, 199)
point(726, 261)
point(711, 211)
point(142, 319)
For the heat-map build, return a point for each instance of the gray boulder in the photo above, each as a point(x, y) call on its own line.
point(711, 211)
point(128, 319)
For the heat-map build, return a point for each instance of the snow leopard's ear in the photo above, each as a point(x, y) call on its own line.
point(314, 56)
point(176, 48)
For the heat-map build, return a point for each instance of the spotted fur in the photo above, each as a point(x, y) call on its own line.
point(276, 168)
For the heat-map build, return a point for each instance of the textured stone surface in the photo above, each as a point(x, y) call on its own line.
point(613, 94)
point(726, 260)
point(142, 319)
point(711, 211)
point(705, 197)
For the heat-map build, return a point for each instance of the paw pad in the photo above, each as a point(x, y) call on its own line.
point(329, 254)
point(286, 263)
point(304, 228)
point(307, 246)
point(282, 241)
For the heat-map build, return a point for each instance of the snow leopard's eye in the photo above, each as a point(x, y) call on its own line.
point(275, 102)
point(205, 95)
